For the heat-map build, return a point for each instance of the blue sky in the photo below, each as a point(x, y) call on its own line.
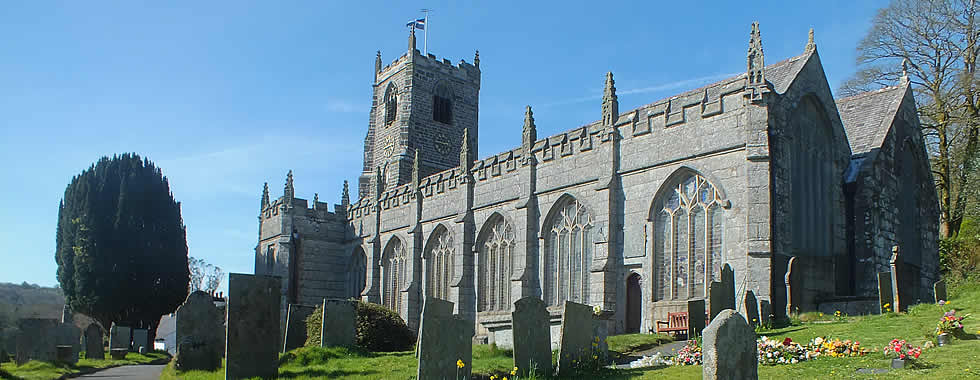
point(226, 95)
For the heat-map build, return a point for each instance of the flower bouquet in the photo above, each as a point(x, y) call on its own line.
point(949, 324)
point(772, 352)
point(904, 352)
point(690, 354)
point(836, 348)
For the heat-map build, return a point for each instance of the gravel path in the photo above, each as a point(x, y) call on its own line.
point(132, 372)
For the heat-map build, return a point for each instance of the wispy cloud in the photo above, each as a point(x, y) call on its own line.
point(344, 106)
point(681, 84)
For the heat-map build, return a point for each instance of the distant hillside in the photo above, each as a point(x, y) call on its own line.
point(29, 301)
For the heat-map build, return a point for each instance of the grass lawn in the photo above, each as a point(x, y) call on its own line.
point(961, 359)
point(35, 370)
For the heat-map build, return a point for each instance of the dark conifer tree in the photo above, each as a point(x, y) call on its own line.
point(121, 243)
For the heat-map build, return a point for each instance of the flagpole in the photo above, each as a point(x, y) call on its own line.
point(425, 32)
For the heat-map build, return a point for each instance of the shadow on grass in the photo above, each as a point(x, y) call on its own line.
point(323, 374)
point(778, 331)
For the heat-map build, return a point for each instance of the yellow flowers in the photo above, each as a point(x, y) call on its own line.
point(513, 372)
point(460, 364)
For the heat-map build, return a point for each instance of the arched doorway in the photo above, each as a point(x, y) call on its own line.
point(633, 302)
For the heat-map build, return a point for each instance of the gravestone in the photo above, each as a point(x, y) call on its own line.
point(765, 313)
point(140, 339)
point(722, 294)
point(296, 326)
point(199, 333)
point(444, 338)
point(119, 337)
point(576, 335)
point(695, 318)
point(93, 342)
point(251, 349)
point(37, 340)
point(66, 315)
point(898, 287)
point(532, 336)
point(939, 290)
point(67, 334)
point(751, 308)
point(885, 292)
point(729, 348)
point(339, 326)
point(793, 287)
point(3, 346)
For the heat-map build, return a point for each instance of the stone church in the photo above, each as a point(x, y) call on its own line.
point(635, 212)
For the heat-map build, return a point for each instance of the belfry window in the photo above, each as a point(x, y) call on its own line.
point(568, 254)
point(270, 258)
point(687, 239)
point(391, 104)
point(442, 104)
point(495, 265)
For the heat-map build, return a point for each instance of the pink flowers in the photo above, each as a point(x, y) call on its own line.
point(904, 350)
point(950, 323)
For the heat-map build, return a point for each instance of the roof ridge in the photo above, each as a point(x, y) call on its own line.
point(869, 93)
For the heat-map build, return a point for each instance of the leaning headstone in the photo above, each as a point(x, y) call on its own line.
point(93, 342)
point(532, 335)
point(444, 339)
point(718, 296)
point(140, 339)
point(729, 348)
point(36, 340)
point(119, 337)
point(792, 287)
point(576, 340)
point(765, 313)
point(296, 326)
point(695, 318)
point(339, 326)
point(69, 335)
point(885, 301)
point(200, 343)
point(252, 348)
point(751, 308)
point(939, 289)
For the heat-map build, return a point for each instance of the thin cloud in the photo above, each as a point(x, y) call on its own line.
point(343, 106)
point(687, 83)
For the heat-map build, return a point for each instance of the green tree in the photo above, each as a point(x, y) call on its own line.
point(121, 243)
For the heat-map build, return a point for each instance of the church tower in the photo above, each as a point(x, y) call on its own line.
point(420, 108)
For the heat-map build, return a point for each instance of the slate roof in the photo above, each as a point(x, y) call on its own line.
point(868, 116)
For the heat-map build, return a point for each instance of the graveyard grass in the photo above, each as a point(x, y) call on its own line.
point(961, 359)
point(35, 370)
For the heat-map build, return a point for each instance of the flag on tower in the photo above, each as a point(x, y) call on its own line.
point(417, 24)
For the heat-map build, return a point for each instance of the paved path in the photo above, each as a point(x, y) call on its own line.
point(665, 349)
point(129, 372)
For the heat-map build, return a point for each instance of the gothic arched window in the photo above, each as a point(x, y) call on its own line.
point(441, 264)
point(391, 104)
point(393, 265)
point(496, 248)
point(442, 103)
point(567, 254)
point(687, 238)
point(356, 273)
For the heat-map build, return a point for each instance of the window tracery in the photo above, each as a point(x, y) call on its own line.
point(568, 255)
point(496, 266)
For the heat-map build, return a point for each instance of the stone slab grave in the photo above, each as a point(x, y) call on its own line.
point(721, 294)
point(251, 348)
point(765, 313)
point(939, 290)
point(729, 348)
point(199, 333)
point(751, 308)
point(695, 318)
point(339, 326)
point(119, 337)
point(93, 342)
point(295, 332)
point(885, 292)
point(68, 335)
point(531, 336)
point(444, 338)
point(140, 339)
point(37, 340)
point(576, 335)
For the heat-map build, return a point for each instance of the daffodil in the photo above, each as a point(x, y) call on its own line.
point(460, 364)
point(513, 372)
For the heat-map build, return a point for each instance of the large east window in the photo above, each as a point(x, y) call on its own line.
point(687, 239)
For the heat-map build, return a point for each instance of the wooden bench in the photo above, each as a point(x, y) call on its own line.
point(675, 323)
